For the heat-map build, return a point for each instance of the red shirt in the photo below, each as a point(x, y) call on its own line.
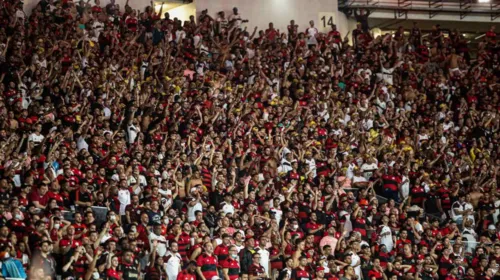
point(42, 199)
point(67, 242)
point(222, 252)
point(374, 273)
point(113, 274)
point(233, 267)
point(208, 265)
point(184, 275)
point(59, 199)
point(314, 226)
point(79, 228)
point(391, 182)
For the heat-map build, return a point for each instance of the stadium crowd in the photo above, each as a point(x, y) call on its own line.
point(221, 152)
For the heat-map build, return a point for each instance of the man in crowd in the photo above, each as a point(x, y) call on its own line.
point(302, 147)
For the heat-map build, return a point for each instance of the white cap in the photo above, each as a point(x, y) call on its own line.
point(492, 227)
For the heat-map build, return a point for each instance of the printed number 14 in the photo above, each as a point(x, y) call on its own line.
point(327, 23)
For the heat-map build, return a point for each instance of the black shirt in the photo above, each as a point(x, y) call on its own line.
point(129, 271)
point(431, 203)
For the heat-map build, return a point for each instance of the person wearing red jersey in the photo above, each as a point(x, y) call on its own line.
point(133, 210)
point(207, 263)
point(222, 250)
point(131, 21)
point(445, 263)
point(231, 266)
point(300, 272)
point(391, 183)
point(189, 273)
point(491, 35)
point(40, 196)
point(79, 226)
point(17, 224)
point(314, 228)
point(112, 272)
point(320, 273)
point(69, 242)
point(256, 271)
point(453, 274)
point(377, 272)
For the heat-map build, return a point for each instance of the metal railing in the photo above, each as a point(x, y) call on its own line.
point(433, 7)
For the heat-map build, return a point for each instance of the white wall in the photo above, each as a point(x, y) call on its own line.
point(29, 5)
point(259, 12)
point(280, 12)
point(182, 12)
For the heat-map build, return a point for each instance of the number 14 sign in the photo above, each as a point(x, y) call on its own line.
point(325, 22)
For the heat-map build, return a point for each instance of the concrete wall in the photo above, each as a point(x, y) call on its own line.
point(29, 5)
point(486, 18)
point(261, 12)
point(182, 12)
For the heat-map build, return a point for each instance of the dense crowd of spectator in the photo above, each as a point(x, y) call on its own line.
point(221, 152)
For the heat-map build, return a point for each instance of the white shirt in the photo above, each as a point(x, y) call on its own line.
point(193, 209)
point(350, 170)
point(98, 27)
point(368, 169)
point(228, 208)
point(277, 214)
point(285, 166)
point(81, 144)
point(132, 131)
point(311, 35)
point(359, 179)
point(239, 247)
point(179, 35)
point(237, 18)
point(142, 182)
point(37, 139)
point(312, 166)
point(405, 188)
point(264, 258)
point(462, 207)
point(196, 39)
point(387, 239)
point(387, 75)
point(355, 259)
point(124, 199)
point(172, 264)
point(497, 212)
point(367, 73)
point(367, 124)
point(161, 248)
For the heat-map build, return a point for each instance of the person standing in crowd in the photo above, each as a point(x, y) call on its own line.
point(207, 263)
point(231, 266)
point(132, 144)
point(189, 273)
point(173, 261)
point(256, 271)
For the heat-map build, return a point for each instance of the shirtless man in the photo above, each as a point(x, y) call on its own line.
point(475, 195)
point(453, 61)
point(195, 179)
